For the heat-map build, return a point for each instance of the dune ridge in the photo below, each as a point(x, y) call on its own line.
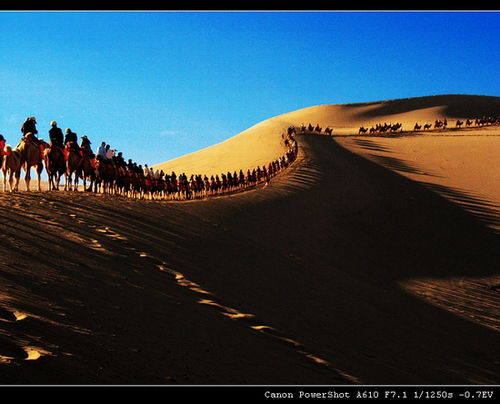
point(371, 260)
point(263, 142)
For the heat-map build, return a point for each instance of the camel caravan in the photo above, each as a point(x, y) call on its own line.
point(443, 124)
point(33, 153)
point(106, 173)
point(397, 127)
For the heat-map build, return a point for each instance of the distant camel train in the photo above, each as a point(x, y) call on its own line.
point(398, 127)
point(313, 129)
point(442, 124)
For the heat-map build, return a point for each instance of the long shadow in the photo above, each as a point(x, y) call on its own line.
point(371, 145)
point(331, 255)
point(390, 161)
point(456, 105)
point(484, 210)
point(401, 165)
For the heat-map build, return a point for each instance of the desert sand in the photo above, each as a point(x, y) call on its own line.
point(373, 259)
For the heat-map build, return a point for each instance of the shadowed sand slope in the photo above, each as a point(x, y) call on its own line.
point(298, 282)
point(364, 229)
point(293, 283)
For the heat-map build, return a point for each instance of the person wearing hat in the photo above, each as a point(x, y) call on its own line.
point(29, 125)
point(55, 135)
point(85, 145)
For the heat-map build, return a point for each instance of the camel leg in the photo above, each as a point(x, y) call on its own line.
point(51, 182)
point(27, 179)
point(39, 178)
point(55, 182)
point(66, 181)
point(14, 181)
point(18, 177)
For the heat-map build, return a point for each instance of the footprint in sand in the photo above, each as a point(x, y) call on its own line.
point(10, 349)
point(224, 310)
point(7, 315)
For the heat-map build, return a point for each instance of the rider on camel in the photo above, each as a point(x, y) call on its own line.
point(120, 161)
point(71, 143)
point(101, 152)
point(55, 135)
point(71, 139)
point(29, 125)
point(85, 146)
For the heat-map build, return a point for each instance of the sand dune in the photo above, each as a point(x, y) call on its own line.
point(372, 260)
point(254, 147)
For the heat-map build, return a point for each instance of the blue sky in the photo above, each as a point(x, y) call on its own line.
point(158, 85)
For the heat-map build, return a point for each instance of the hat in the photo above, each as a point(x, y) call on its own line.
point(53, 123)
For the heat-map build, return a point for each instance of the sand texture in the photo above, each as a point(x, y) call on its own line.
point(373, 259)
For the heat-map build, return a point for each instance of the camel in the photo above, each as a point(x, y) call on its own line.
point(106, 174)
point(11, 167)
point(73, 163)
point(31, 156)
point(86, 171)
point(55, 165)
point(396, 127)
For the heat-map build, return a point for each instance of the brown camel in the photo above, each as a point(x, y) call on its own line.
point(86, 171)
point(106, 175)
point(11, 167)
point(73, 163)
point(55, 165)
point(31, 156)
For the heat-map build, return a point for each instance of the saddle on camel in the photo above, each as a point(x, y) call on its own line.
point(78, 163)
